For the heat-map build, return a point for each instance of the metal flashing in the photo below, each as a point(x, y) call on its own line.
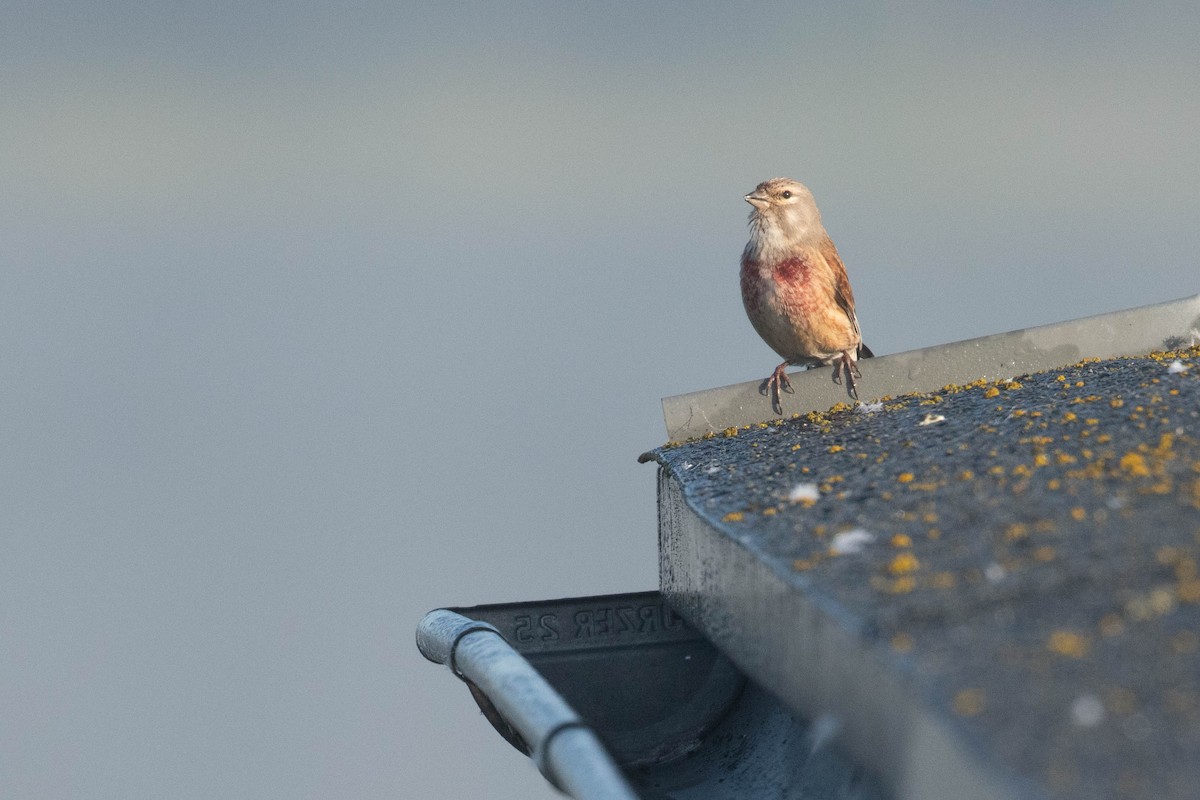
point(1002, 355)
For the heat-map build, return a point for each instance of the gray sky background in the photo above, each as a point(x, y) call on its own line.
point(314, 317)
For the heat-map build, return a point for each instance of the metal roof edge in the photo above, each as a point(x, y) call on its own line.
point(1003, 355)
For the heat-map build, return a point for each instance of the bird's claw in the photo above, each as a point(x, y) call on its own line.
point(778, 383)
point(775, 385)
point(851, 369)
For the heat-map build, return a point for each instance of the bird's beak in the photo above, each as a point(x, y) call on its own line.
point(757, 200)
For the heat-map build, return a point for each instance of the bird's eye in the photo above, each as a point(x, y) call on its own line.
point(787, 194)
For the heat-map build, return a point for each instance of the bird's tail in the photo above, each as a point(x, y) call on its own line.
point(865, 352)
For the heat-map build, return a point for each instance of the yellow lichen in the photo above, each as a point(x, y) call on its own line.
point(1188, 591)
point(1044, 553)
point(1166, 555)
point(1134, 464)
point(1185, 569)
point(903, 564)
point(1154, 603)
point(970, 702)
point(1069, 644)
point(1016, 531)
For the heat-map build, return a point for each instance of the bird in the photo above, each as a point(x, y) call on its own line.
point(795, 288)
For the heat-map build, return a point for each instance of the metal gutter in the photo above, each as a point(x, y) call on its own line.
point(561, 744)
point(670, 710)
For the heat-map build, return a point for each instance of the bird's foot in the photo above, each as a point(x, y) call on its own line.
point(774, 385)
point(846, 363)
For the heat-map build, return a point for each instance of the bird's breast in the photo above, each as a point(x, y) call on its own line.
point(791, 272)
point(791, 303)
point(782, 282)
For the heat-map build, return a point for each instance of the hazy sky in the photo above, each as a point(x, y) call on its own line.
point(314, 317)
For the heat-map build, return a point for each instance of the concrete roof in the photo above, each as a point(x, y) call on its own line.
point(994, 587)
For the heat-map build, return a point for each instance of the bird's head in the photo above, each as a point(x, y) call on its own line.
point(784, 212)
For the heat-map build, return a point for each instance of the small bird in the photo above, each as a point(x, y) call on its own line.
point(795, 288)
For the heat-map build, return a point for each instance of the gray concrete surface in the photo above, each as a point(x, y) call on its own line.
point(993, 587)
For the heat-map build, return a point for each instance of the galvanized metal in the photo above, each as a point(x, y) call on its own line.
point(566, 751)
point(649, 685)
point(1003, 355)
point(670, 709)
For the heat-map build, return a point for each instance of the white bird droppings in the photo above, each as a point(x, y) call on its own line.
point(853, 541)
point(802, 492)
point(1087, 711)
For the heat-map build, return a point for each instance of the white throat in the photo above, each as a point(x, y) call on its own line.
point(772, 237)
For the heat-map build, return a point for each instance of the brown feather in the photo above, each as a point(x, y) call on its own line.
point(842, 292)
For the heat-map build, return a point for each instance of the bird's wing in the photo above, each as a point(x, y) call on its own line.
point(842, 293)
